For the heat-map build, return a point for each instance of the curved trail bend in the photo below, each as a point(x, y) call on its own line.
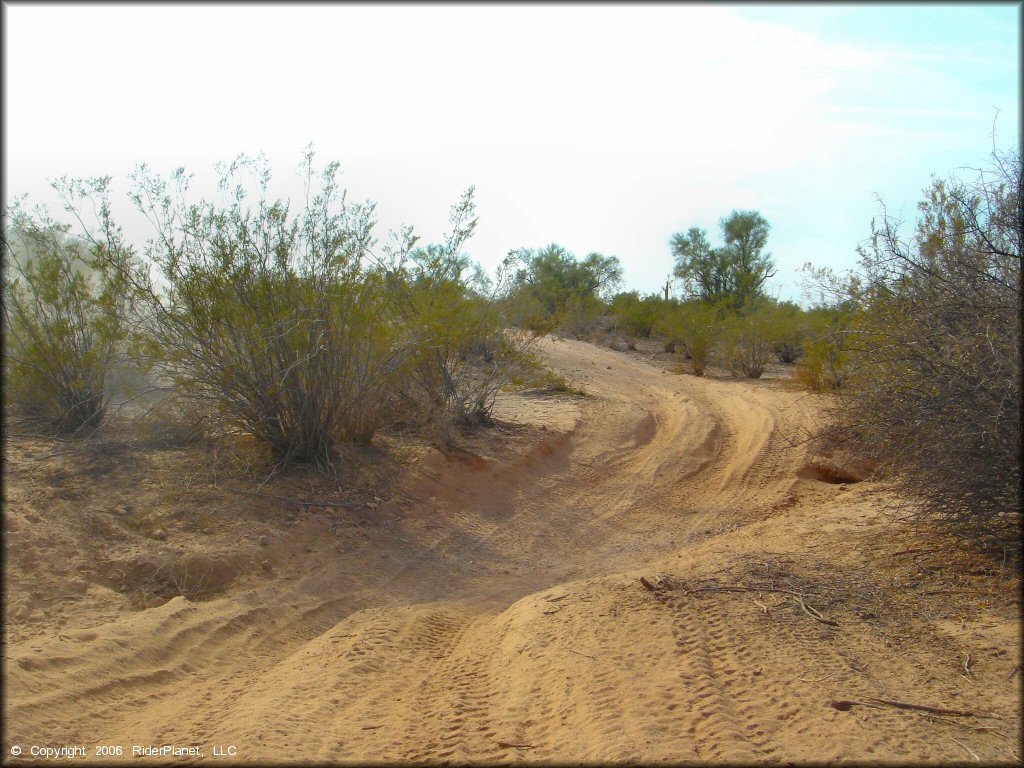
point(500, 617)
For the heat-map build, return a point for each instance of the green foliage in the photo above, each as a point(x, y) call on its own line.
point(640, 316)
point(746, 341)
point(789, 330)
point(283, 325)
point(825, 361)
point(695, 326)
point(552, 289)
point(465, 351)
point(734, 273)
point(267, 318)
point(65, 309)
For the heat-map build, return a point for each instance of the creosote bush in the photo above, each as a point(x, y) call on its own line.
point(825, 361)
point(262, 320)
point(65, 302)
point(695, 327)
point(268, 318)
point(465, 349)
point(746, 342)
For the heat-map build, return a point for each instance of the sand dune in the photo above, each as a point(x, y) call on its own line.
point(489, 607)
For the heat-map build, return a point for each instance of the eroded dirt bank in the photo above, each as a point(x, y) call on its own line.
point(485, 603)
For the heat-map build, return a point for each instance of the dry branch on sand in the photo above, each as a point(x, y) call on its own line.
point(797, 596)
point(844, 705)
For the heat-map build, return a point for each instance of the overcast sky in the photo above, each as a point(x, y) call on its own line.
point(603, 128)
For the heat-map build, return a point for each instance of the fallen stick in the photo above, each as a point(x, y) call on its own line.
point(843, 705)
point(779, 590)
point(647, 584)
point(583, 654)
point(814, 614)
point(926, 708)
point(510, 745)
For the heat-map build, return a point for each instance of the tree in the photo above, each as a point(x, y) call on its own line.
point(735, 272)
point(700, 266)
point(552, 286)
point(746, 234)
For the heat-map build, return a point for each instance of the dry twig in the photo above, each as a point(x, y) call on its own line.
point(810, 611)
point(844, 704)
point(971, 751)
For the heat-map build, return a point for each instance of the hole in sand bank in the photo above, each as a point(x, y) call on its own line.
point(826, 472)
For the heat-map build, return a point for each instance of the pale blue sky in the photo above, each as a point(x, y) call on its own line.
point(604, 128)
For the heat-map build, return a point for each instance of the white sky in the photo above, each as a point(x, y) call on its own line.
point(603, 128)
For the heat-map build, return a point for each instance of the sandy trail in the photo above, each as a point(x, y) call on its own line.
point(498, 616)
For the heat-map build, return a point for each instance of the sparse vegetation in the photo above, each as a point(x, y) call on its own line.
point(290, 327)
point(746, 341)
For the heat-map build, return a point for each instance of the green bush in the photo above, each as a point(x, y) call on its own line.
point(694, 326)
point(639, 316)
point(788, 331)
point(932, 388)
point(746, 343)
point(552, 289)
point(65, 306)
point(465, 350)
point(825, 361)
point(268, 319)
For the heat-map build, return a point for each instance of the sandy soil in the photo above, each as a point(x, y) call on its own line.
point(485, 603)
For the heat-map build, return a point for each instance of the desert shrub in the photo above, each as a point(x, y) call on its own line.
point(65, 304)
point(788, 331)
point(465, 351)
point(638, 316)
point(933, 393)
point(745, 343)
point(694, 327)
point(174, 422)
point(825, 361)
point(579, 315)
point(526, 311)
point(265, 318)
